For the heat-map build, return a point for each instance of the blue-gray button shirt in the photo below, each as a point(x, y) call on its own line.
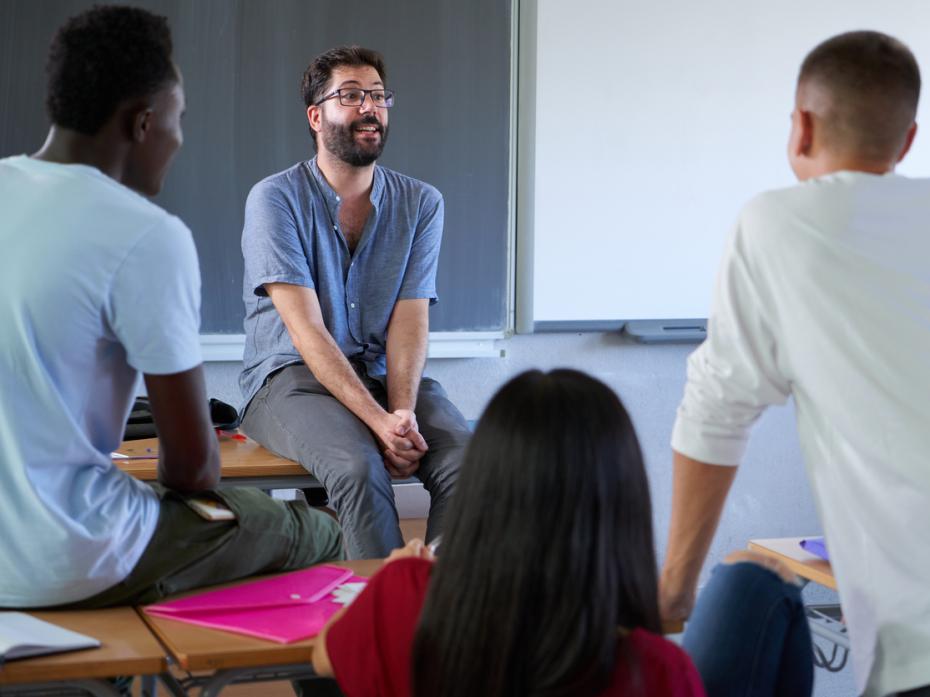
point(291, 235)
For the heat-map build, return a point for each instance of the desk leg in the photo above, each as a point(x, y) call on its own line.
point(824, 623)
point(214, 685)
point(170, 683)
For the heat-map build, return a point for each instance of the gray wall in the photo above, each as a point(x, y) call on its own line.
point(770, 498)
point(242, 61)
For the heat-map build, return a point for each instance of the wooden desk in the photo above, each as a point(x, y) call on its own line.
point(127, 648)
point(244, 463)
point(806, 565)
point(235, 656)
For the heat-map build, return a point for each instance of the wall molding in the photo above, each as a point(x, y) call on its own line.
point(229, 347)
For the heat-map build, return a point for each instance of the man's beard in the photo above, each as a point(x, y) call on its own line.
point(340, 141)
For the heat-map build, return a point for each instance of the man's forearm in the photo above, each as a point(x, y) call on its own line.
point(407, 345)
point(328, 365)
point(699, 491)
point(404, 372)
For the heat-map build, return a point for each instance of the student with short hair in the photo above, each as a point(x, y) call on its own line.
point(824, 296)
point(546, 580)
point(97, 285)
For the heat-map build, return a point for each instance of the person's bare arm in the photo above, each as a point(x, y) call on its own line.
point(188, 455)
point(699, 491)
point(407, 343)
point(300, 310)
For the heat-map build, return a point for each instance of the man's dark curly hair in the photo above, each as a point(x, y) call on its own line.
point(102, 57)
point(319, 72)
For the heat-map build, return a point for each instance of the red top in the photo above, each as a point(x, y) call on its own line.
point(370, 646)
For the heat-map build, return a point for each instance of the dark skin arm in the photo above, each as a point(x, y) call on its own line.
point(188, 454)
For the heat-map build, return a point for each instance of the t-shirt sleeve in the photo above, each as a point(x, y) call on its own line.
point(736, 373)
point(370, 646)
point(154, 301)
point(420, 275)
point(271, 247)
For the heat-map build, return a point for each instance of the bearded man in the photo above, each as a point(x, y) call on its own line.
point(340, 271)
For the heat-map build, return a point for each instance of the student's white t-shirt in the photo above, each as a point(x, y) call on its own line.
point(824, 295)
point(97, 284)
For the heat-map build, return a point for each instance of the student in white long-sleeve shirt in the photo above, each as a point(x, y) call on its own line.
point(824, 295)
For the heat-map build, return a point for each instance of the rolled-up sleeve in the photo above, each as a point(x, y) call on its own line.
point(735, 374)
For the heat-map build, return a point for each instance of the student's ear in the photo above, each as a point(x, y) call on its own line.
point(908, 142)
point(315, 118)
point(141, 122)
point(803, 134)
point(801, 143)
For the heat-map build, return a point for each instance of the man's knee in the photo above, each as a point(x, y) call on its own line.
point(356, 469)
point(441, 423)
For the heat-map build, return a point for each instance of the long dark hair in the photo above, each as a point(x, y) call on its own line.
point(547, 548)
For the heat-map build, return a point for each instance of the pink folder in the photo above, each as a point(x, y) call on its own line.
point(284, 608)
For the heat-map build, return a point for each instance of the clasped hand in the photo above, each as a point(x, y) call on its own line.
point(401, 443)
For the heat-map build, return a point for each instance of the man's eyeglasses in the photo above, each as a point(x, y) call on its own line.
point(355, 96)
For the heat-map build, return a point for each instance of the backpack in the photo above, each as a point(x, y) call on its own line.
point(141, 423)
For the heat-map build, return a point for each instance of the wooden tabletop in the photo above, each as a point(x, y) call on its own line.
point(201, 648)
point(802, 562)
point(127, 648)
point(239, 458)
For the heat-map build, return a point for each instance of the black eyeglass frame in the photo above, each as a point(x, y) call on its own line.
point(388, 96)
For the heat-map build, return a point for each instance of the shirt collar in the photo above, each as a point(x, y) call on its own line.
point(333, 199)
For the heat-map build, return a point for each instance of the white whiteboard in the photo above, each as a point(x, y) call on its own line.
point(654, 123)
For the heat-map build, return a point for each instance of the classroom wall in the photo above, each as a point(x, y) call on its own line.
point(770, 498)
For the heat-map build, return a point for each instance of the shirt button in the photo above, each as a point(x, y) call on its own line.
point(352, 305)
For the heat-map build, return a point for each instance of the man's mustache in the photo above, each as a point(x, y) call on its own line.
point(368, 121)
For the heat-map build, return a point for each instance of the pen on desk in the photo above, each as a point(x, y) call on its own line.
point(120, 456)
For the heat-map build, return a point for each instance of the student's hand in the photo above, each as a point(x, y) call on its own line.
point(675, 604)
point(415, 548)
point(770, 563)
